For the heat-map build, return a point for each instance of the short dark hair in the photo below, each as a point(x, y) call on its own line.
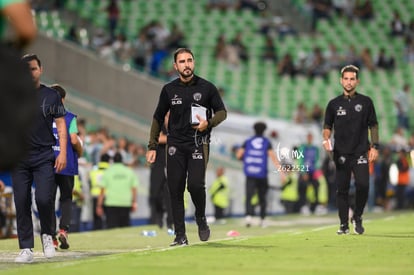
point(61, 91)
point(31, 56)
point(182, 50)
point(259, 128)
point(350, 68)
point(105, 158)
point(117, 157)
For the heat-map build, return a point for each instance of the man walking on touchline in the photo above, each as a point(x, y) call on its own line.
point(351, 116)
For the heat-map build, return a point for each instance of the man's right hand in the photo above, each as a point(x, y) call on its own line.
point(151, 154)
point(327, 145)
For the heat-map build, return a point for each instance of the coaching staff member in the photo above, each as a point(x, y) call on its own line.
point(350, 116)
point(187, 143)
point(39, 167)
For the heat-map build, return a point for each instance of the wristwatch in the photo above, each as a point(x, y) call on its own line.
point(375, 146)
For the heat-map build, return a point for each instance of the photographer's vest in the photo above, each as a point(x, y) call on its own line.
point(255, 157)
point(71, 168)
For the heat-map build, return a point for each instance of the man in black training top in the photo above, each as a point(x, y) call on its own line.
point(350, 116)
point(192, 102)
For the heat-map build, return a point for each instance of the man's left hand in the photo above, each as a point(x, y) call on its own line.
point(202, 125)
point(60, 163)
point(372, 154)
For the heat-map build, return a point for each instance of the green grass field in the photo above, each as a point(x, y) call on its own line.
point(289, 245)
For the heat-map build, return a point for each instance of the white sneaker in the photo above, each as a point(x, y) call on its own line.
point(48, 247)
point(25, 256)
point(248, 221)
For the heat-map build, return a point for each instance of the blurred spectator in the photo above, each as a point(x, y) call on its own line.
point(237, 42)
point(219, 195)
point(220, 52)
point(276, 26)
point(329, 170)
point(254, 5)
point(113, 13)
point(397, 26)
point(308, 183)
point(107, 141)
point(176, 38)
point(402, 102)
point(382, 172)
point(121, 147)
point(72, 34)
point(158, 35)
point(226, 52)
point(269, 50)
point(317, 114)
point(384, 62)
point(122, 48)
point(317, 66)
point(333, 58)
point(289, 195)
point(286, 66)
point(221, 4)
point(99, 39)
point(398, 139)
point(367, 60)
point(301, 113)
point(141, 51)
point(78, 199)
point(352, 57)
point(321, 9)
point(106, 52)
point(403, 178)
point(95, 179)
point(409, 31)
point(344, 8)
point(93, 147)
point(409, 50)
point(364, 10)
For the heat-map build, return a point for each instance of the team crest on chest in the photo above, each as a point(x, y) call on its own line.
point(358, 107)
point(197, 96)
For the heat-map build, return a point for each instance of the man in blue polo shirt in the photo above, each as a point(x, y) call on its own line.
point(39, 166)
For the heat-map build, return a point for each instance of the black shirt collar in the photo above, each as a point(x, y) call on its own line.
point(349, 97)
point(192, 82)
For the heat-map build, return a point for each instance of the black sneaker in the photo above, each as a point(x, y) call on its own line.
point(63, 238)
point(180, 241)
point(357, 223)
point(343, 230)
point(203, 229)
